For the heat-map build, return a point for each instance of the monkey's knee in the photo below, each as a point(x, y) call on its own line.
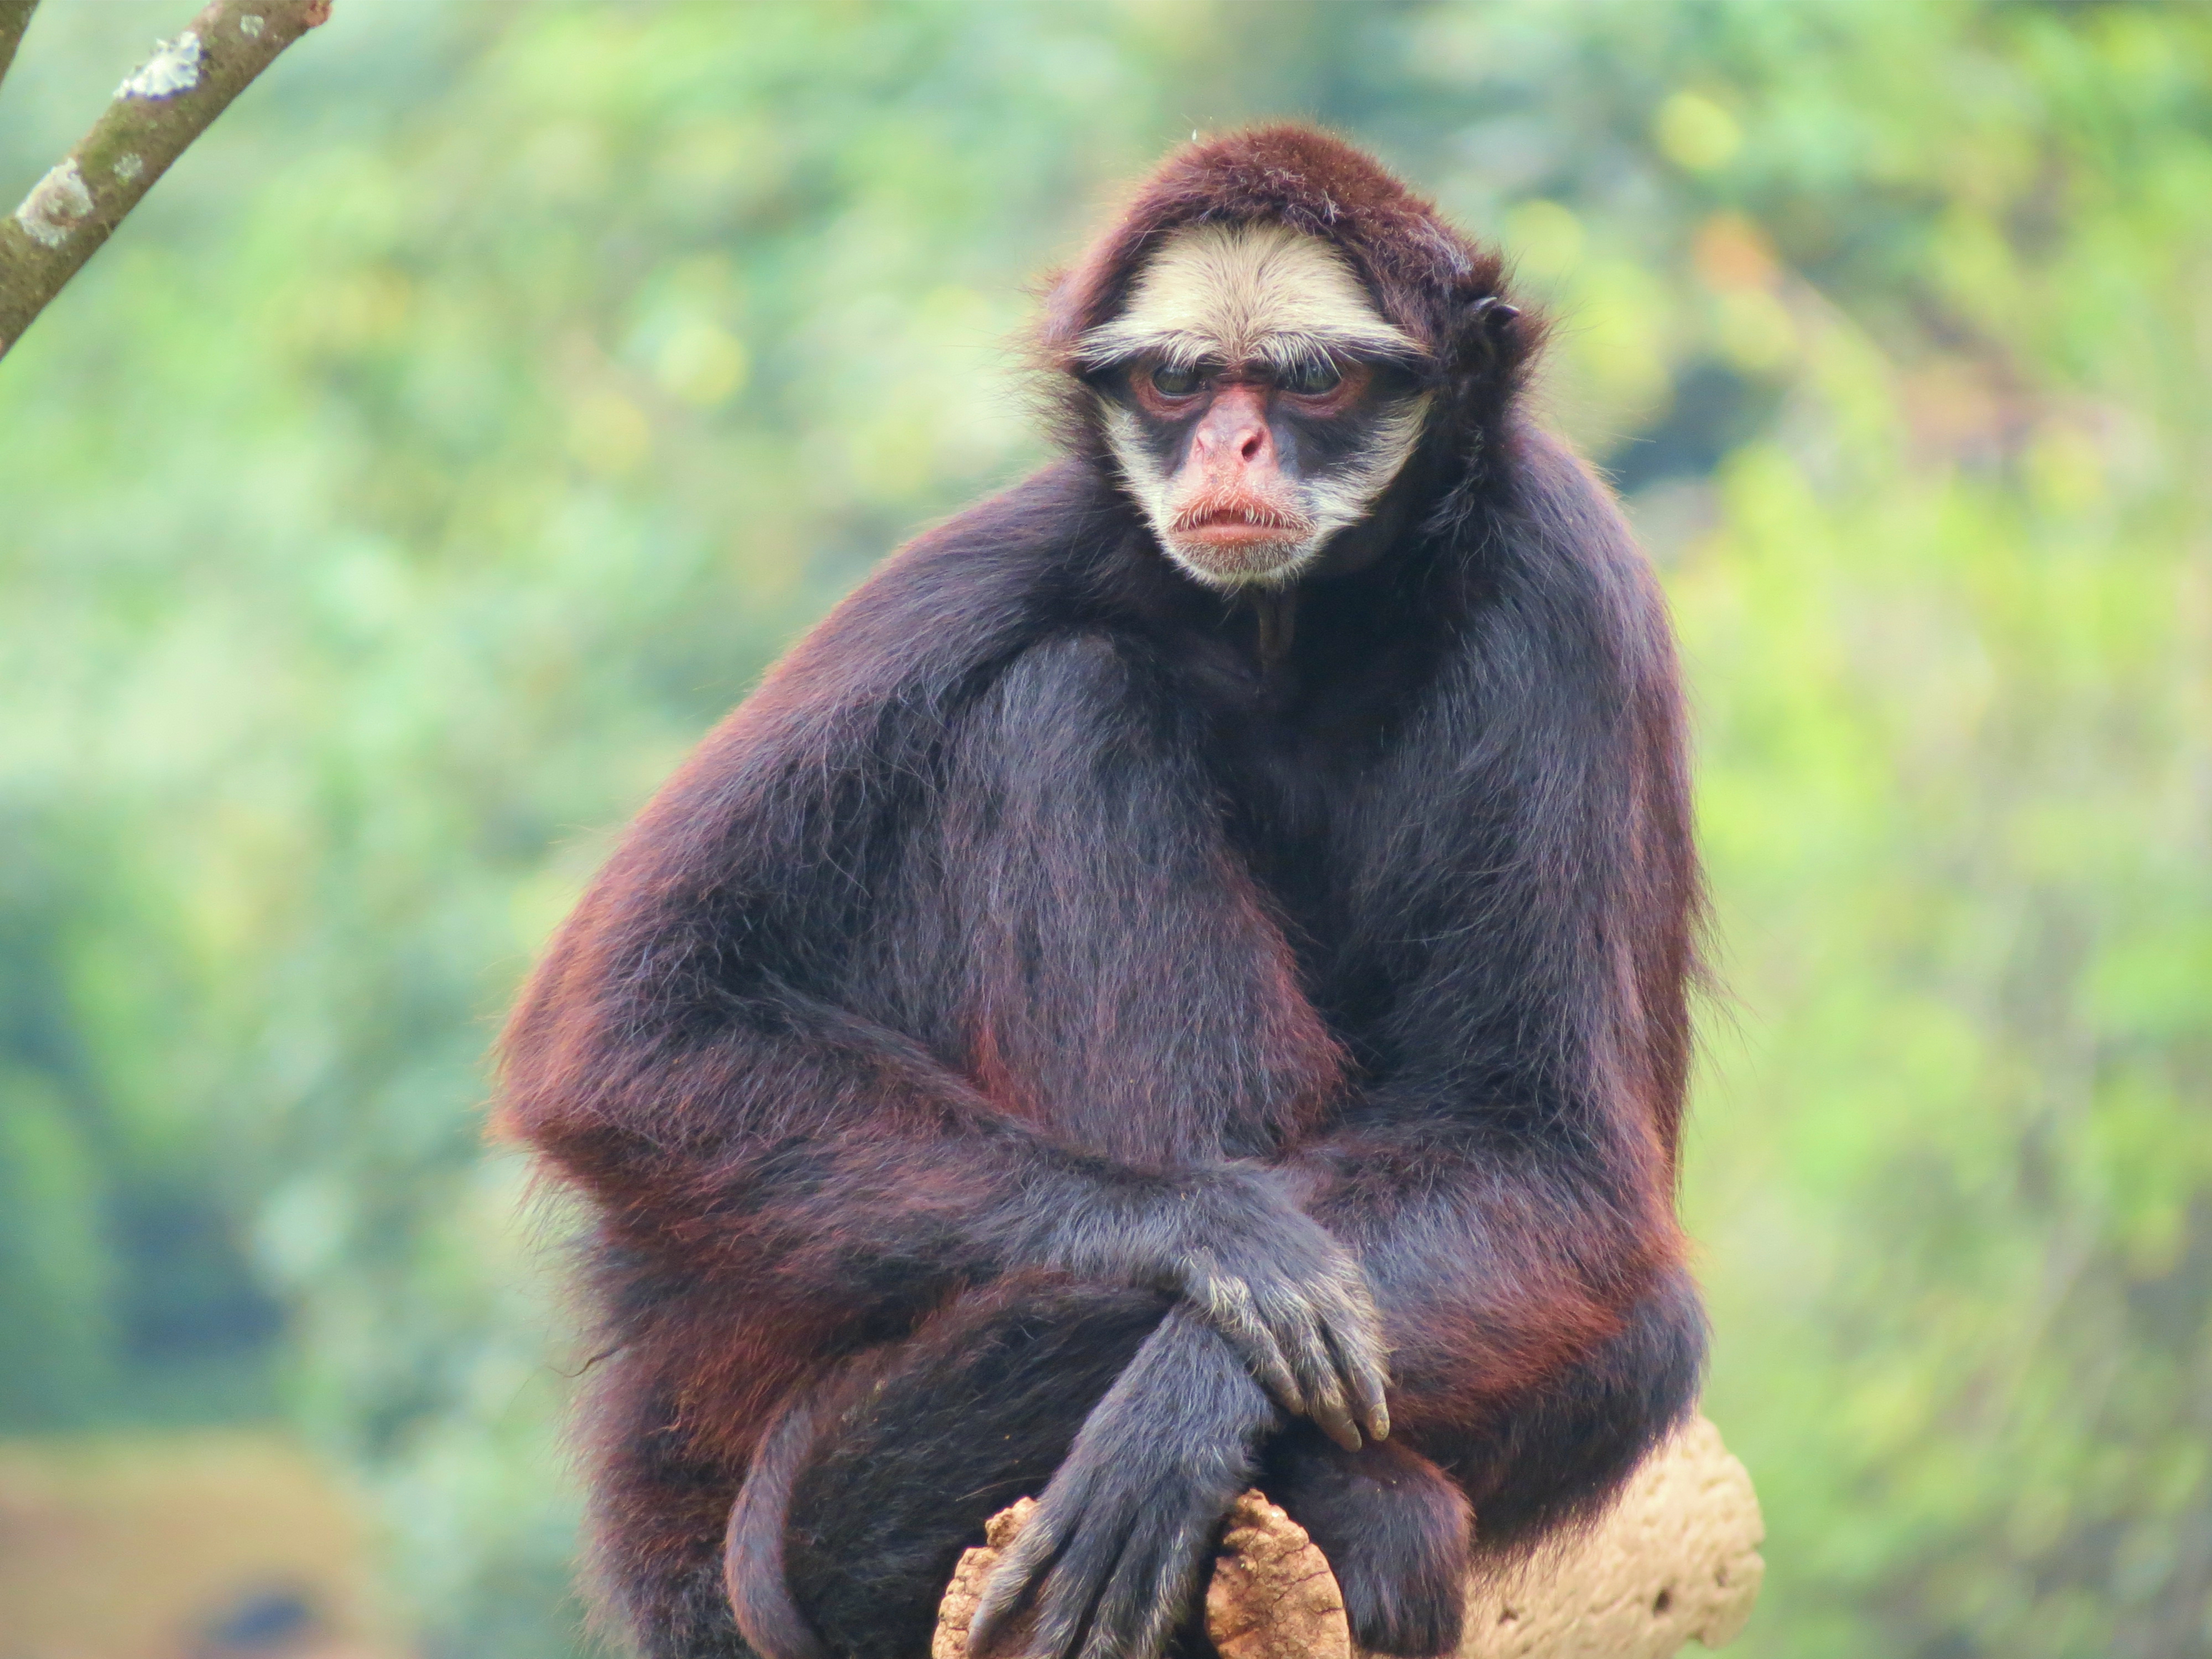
point(977, 1410)
point(1396, 1530)
point(1557, 1459)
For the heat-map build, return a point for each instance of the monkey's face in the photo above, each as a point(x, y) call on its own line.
point(1255, 400)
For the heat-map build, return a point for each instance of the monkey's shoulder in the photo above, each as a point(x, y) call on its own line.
point(874, 686)
point(969, 592)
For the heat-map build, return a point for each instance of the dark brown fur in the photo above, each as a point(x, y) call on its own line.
point(1026, 933)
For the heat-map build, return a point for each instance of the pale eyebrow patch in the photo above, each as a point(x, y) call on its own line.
point(1245, 293)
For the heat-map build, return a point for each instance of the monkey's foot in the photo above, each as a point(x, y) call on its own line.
point(1675, 1560)
point(1272, 1596)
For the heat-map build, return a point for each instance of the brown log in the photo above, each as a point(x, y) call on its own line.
point(1676, 1559)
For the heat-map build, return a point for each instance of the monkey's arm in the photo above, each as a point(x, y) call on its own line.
point(1496, 1264)
point(698, 1052)
point(1505, 1173)
point(832, 1173)
point(748, 1043)
point(1545, 1337)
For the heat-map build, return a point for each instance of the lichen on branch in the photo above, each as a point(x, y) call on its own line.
point(166, 103)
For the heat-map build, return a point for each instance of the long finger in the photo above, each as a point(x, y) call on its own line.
point(1365, 1378)
point(1149, 1590)
point(1317, 1373)
point(1229, 1304)
point(1015, 1582)
point(1068, 1604)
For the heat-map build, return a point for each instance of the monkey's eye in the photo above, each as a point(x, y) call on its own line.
point(1311, 377)
point(1171, 381)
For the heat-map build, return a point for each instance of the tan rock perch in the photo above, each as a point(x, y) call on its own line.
point(956, 1612)
point(1676, 1560)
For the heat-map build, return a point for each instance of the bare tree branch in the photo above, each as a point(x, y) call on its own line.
point(166, 103)
point(14, 17)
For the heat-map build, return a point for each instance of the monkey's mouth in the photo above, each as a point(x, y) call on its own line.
point(1229, 537)
point(1231, 522)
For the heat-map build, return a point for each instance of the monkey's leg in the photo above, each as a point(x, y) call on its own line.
point(1396, 1530)
point(977, 1410)
point(659, 1509)
point(1395, 1524)
point(1557, 1457)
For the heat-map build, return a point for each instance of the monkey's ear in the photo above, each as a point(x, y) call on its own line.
point(1487, 337)
point(1495, 315)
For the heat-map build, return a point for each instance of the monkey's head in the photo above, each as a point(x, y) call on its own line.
point(1253, 398)
point(1266, 341)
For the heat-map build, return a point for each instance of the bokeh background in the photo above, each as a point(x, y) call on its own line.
point(458, 430)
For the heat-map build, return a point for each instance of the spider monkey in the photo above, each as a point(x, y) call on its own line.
point(1177, 984)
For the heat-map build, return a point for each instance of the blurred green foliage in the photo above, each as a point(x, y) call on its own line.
point(467, 420)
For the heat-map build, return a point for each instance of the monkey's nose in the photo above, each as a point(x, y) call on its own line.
point(1247, 440)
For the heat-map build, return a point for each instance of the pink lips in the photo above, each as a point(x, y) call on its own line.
point(1213, 520)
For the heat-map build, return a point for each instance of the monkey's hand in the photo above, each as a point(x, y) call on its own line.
point(1109, 1563)
point(1233, 1243)
point(1294, 1303)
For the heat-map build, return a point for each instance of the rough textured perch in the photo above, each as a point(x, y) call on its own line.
point(1677, 1560)
point(164, 104)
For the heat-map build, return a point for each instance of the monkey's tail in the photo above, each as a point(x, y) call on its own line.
point(752, 1551)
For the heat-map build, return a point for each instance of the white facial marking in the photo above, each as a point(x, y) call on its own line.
point(1243, 294)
